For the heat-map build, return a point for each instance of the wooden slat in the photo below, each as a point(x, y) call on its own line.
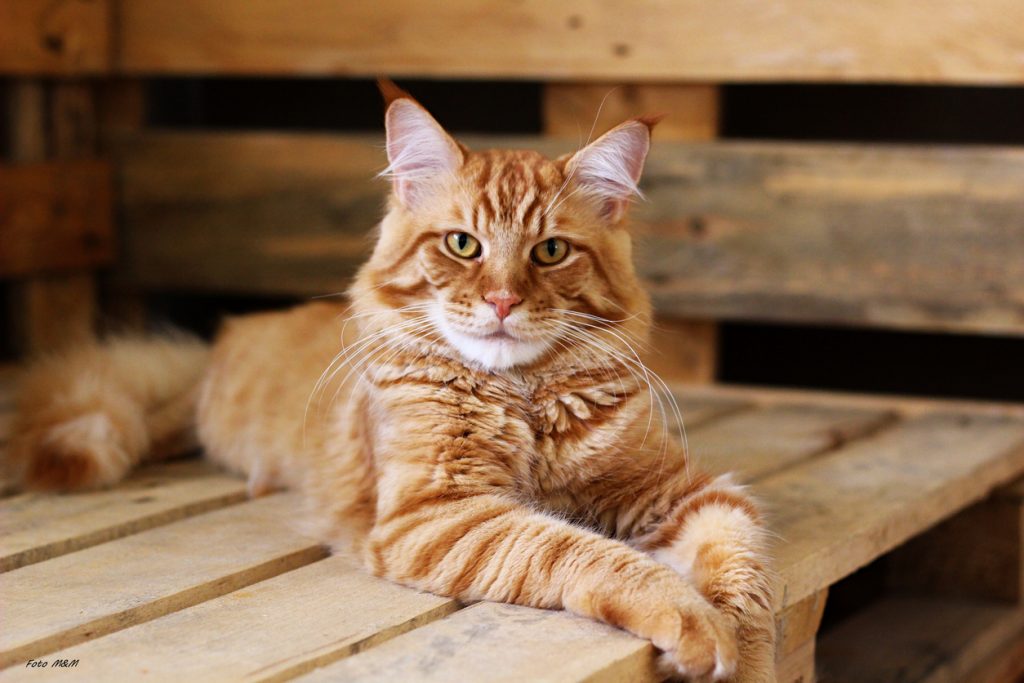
point(43, 37)
point(979, 553)
point(35, 527)
point(729, 40)
point(757, 443)
point(271, 631)
point(684, 349)
point(495, 642)
point(917, 640)
point(901, 404)
point(55, 215)
point(887, 236)
point(836, 513)
point(700, 411)
point(67, 600)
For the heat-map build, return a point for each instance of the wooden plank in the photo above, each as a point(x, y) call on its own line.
point(574, 110)
point(36, 527)
point(54, 311)
point(42, 37)
point(55, 215)
point(686, 350)
point(193, 204)
point(688, 40)
point(1004, 666)
point(495, 642)
point(917, 640)
point(865, 235)
point(700, 411)
point(901, 404)
point(757, 443)
point(979, 553)
point(796, 639)
point(140, 577)
point(272, 631)
point(836, 513)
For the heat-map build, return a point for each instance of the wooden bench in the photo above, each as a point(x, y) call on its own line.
point(176, 575)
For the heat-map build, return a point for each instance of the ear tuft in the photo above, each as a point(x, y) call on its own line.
point(609, 168)
point(390, 91)
point(420, 152)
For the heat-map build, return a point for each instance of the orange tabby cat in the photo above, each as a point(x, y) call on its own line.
point(483, 428)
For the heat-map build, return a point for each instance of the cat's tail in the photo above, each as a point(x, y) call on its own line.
point(87, 416)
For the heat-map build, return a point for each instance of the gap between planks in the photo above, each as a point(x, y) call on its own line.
point(70, 599)
point(36, 527)
point(271, 631)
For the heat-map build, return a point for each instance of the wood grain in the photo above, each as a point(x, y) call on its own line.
point(70, 599)
point(501, 643)
point(757, 443)
point(36, 527)
point(917, 640)
point(688, 40)
point(271, 631)
point(834, 514)
point(910, 238)
point(55, 37)
point(979, 553)
point(54, 216)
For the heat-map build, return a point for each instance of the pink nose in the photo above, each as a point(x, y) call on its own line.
point(502, 302)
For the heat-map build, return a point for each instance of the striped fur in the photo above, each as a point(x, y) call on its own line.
point(543, 472)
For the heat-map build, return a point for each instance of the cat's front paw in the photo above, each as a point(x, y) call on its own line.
point(699, 644)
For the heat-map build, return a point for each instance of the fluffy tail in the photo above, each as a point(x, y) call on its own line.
point(86, 417)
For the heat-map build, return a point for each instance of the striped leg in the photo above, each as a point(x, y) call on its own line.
point(712, 536)
point(489, 547)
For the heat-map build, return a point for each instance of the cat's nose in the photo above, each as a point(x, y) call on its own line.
point(502, 301)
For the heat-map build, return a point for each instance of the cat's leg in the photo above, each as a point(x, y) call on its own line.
point(487, 546)
point(710, 531)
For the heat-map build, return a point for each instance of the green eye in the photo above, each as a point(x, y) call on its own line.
point(462, 244)
point(551, 251)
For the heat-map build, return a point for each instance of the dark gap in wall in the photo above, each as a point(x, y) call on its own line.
point(877, 361)
point(875, 113)
point(7, 350)
point(338, 104)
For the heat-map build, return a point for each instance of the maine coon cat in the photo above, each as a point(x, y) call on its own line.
point(477, 423)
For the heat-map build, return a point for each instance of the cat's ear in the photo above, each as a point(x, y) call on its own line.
point(420, 152)
point(609, 168)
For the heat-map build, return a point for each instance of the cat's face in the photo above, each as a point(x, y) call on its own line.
point(505, 256)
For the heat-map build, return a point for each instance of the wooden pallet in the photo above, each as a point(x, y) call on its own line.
point(175, 575)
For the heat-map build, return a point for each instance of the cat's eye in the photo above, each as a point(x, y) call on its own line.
point(462, 244)
point(551, 251)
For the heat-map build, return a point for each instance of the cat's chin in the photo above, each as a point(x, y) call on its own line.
point(496, 351)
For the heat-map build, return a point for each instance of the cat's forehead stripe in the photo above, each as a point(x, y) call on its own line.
point(512, 188)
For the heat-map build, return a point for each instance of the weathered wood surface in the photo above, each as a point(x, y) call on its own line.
point(978, 553)
point(227, 594)
point(836, 513)
point(55, 37)
point(918, 640)
point(72, 598)
point(754, 444)
point(55, 216)
point(690, 40)
point(501, 644)
point(36, 527)
point(271, 631)
point(920, 238)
